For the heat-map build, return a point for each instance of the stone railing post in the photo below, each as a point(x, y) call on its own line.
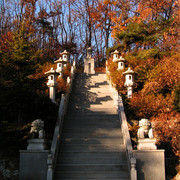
point(50, 168)
point(133, 168)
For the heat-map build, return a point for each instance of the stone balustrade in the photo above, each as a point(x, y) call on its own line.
point(52, 157)
point(126, 136)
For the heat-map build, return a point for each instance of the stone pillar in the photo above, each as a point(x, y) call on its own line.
point(72, 69)
point(52, 93)
point(74, 65)
point(89, 65)
point(68, 80)
point(129, 91)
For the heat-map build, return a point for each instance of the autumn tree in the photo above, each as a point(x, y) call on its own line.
point(18, 64)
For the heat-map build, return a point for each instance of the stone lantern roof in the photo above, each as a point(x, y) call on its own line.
point(51, 71)
point(65, 52)
point(115, 52)
point(60, 60)
point(129, 71)
point(121, 59)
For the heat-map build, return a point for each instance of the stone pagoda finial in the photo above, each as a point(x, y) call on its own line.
point(129, 81)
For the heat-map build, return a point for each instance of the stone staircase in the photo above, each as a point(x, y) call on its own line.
point(91, 145)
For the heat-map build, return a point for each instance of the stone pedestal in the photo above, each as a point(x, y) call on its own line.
point(36, 144)
point(89, 66)
point(146, 144)
point(33, 161)
point(150, 164)
point(33, 164)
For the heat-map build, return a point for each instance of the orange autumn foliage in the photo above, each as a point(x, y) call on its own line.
point(146, 106)
point(167, 129)
point(116, 76)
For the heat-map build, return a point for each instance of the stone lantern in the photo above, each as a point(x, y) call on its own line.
point(60, 66)
point(52, 83)
point(129, 81)
point(65, 57)
point(89, 64)
point(115, 55)
point(120, 62)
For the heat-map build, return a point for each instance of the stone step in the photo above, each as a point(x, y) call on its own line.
point(93, 111)
point(91, 174)
point(87, 92)
point(90, 147)
point(94, 179)
point(92, 167)
point(91, 160)
point(103, 141)
point(120, 153)
point(92, 98)
point(96, 130)
point(79, 105)
point(92, 134)
point(83, 107)
point(91, 89)
point(90, 124)
point(87, 116)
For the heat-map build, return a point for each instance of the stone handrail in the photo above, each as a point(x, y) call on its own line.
point(52, 157)
point(126, 136)
point(127, 140)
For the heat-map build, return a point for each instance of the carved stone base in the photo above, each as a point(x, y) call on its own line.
point(146, 144)
point(36, 144)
